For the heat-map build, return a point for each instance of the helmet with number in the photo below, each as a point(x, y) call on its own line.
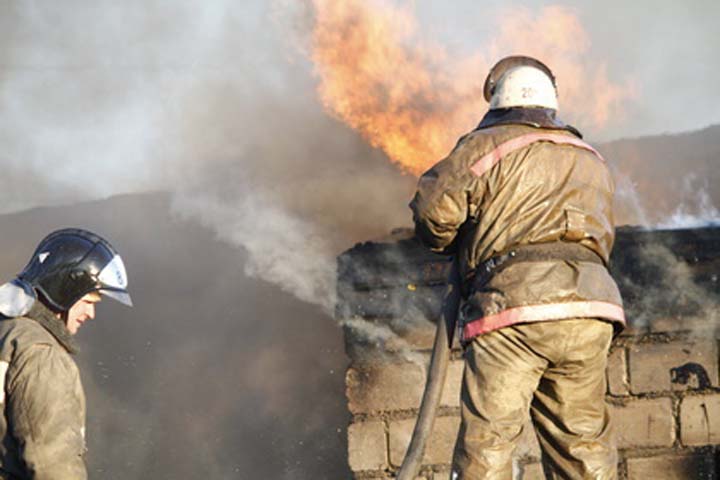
point(520, 81)
point(71, 263)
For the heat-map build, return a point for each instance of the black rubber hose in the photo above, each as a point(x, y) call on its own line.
point(437, 371)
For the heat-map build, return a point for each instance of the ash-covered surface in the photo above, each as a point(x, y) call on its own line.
point(671, 276)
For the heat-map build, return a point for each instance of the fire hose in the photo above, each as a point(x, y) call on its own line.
point(437, 371)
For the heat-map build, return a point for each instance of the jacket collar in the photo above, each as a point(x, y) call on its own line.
point(534, 117)
point(45, 317)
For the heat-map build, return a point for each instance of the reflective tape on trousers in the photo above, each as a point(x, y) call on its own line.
point(490, 159)
point(544, 312)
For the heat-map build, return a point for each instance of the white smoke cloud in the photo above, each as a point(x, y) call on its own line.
point(212, 102)
point(385, 341)
point(215, 103)
point(696, 209)
point(283, 249)
point(89, 88)
point(628, 207)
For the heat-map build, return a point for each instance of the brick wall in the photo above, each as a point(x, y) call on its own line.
point(663, 380)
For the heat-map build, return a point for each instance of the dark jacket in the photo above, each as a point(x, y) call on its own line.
point(43, 426)
point(513, 184)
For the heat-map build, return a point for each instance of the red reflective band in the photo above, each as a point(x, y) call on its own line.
point(543, 312)
point(490, 159)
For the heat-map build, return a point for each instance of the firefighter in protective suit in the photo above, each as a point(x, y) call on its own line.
point(526, 207)
point(43, 423)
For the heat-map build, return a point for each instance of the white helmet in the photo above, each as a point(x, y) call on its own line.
point(520, 81)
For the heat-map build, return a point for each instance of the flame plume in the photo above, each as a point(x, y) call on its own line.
point(411, 98)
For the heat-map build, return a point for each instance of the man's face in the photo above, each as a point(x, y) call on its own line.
point(82, 311)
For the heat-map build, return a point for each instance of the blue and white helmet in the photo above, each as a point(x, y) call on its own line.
point(71, 263)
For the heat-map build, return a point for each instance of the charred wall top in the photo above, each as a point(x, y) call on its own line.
point(668, 278)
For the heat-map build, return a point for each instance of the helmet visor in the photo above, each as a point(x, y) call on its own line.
point(113, 275)
point(113, 281)
point(120, 296)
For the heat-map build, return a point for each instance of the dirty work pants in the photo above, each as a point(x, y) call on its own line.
point(555, 370)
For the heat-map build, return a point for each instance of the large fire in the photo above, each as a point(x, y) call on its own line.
point(412, 98)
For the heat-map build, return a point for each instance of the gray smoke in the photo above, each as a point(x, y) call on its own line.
point(216, 104)
point(284, 250)
point(628, 206)
point(696, 209)
point(667, 181)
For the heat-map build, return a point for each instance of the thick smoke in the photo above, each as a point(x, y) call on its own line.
point(217, 105)
point(666, 181)
point(214, 105)
point(211, 374)
point(629, 209)
point(283, 249)
point(696, 208)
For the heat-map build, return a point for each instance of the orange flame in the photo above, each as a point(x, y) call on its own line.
point(412, 99)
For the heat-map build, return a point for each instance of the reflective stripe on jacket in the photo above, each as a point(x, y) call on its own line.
point(510, 185)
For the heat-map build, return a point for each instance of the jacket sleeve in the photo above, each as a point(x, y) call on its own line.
point(442, 201)
point(45, 413)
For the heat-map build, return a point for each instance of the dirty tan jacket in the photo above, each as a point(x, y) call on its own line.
point(43, 426)
point(493, 193)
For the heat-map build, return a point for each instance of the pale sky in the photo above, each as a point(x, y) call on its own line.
point(670, 48)
point(99, 97)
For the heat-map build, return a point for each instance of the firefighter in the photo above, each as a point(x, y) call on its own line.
point(43, 423)
point(526, 207)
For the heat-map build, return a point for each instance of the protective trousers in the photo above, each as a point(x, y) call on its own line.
point(555, 370)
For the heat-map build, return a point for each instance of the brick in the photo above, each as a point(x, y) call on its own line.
point(420, 334)
point(442, 441)
point(700, 420)
point(414, 304)
point(634, 328)
point(644, 423)
point(393, 386)
point(367, 446)
point(673, 467)
point(531, 471)
point(673, 366)
point(453, 383)
point(373, 341)
point(617, 373)
point(440, 446)
point(698, 325)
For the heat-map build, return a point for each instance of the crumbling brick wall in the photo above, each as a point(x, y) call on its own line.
point(663, 381)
